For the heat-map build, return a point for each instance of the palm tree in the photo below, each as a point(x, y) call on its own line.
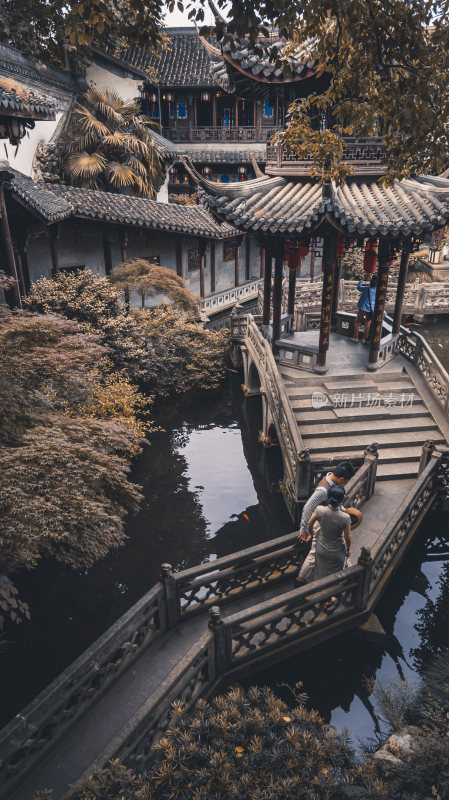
point(108, 145)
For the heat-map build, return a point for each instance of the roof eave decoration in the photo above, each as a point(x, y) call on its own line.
point(18, 100)
point(277, 205)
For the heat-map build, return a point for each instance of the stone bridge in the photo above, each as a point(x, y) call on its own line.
point(197, 630)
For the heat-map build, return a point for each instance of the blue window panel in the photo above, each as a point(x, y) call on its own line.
point(182, 109)
point(268, 109)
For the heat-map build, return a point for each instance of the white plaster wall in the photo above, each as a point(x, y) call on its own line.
point(162, 195)
point(101, 78)
point(21, 158)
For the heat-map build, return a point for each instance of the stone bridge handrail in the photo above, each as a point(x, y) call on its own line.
point(26, 738)
point(419, 298)
point(228, 297)
point(245, 331)
point(222, 580)
point(329, 602)
point(414, 347)
point(31, 733)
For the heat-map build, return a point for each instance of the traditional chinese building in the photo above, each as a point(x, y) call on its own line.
point(52, 227)
point(289, 212)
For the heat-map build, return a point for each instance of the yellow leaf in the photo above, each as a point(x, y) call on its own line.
point(239, 750)
point(287, 719)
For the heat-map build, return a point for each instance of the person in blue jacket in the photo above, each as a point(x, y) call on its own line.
point(365, 308)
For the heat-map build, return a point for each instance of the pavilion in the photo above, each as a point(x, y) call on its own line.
point(288, 211)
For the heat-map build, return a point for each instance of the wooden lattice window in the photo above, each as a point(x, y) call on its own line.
point(229, 248)
point(193, 258)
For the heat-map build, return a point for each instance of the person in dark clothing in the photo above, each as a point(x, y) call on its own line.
point(365, 308)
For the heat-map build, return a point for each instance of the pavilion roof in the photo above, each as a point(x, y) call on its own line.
point(55, 202)
point(276, 205)
point(19, 100)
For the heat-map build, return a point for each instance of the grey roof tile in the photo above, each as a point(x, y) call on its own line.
point(186, 62)
point(18, 99)
point(275, 204)
point(55, 202)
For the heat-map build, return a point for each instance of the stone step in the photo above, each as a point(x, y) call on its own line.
point(329, 444)
point(328, 415)
point(387, 455)
point(403, 469)
point(405, 386)
point(372, 427)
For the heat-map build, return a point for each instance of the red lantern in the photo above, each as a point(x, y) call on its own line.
point(296, 254)
point(370, 257)
point(341, 245)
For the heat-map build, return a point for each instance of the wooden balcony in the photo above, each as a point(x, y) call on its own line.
point(364, 155)
point(220, 133)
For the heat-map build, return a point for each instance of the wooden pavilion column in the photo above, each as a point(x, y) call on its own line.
point(383, 258)
point(54, 251)
point(329, 258)
point(336, 288)
point(247, 257)
point(212, 267)
point(312, 260)
point(262, 262)
point(236, 123)
point(403, 269)
point(107, 253)
point(291, 292)
point(266, 314)
point(214, 110)
point(277, 290)
point(237, 266)
point(9, 250)
point(202, 265)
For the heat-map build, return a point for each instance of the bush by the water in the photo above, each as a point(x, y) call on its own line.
point(165, 349)
point(252, 746)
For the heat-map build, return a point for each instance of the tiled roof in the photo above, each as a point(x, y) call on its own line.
point(40, 198)
point(168, 149)
point(213, 155)
point(298, 59)
point(277, 205)
point(19, 99)
point(185, 62)
point(56, 202)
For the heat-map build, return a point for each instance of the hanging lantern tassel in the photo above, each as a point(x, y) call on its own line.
point(295, 255)
point(370, 257)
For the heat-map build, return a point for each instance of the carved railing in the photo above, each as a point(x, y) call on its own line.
point(30, 734)
point(419, 300)
point(222, 581)
point(221, 133)
point(391, 543)
point(365, 155)
point(229, 297)
point(266, 631)
point(192, 678)
point(244, 330)
point(323, 608)
point(414, 347)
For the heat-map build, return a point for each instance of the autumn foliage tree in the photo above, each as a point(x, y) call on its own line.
point(69, 427)
point(165, 349)
point(383, 71)
point(48, 29)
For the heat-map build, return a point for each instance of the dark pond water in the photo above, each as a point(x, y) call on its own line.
point(210, 489)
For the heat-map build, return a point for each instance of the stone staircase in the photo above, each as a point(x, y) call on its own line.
point(339, 415)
